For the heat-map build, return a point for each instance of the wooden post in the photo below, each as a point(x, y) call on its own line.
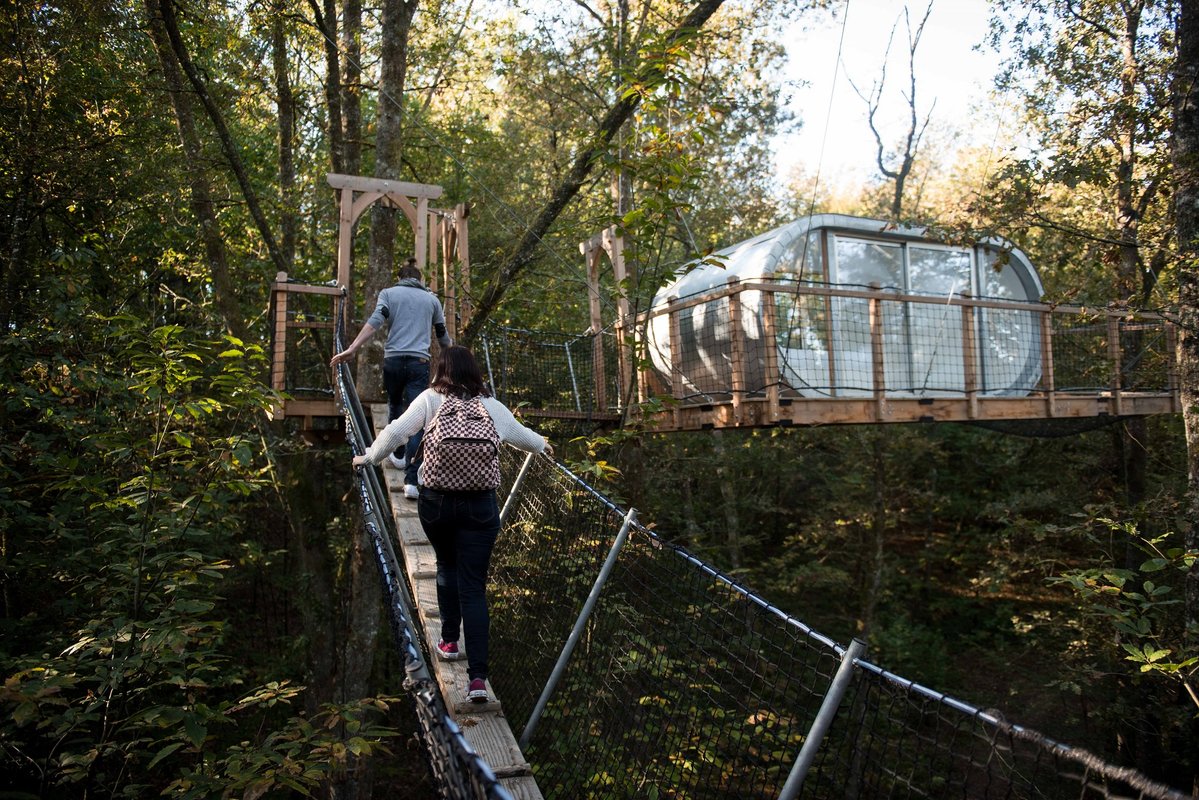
point(1113, 352)
point(676, 358)
point(737, 341)
point(462, 242)
point(592, 252)
point(279, 355)
point(1172, 365)
point(422, 232)
point(614, 244)
point(876, 354)
point(969, 357)
point(345, 245)
point(828, 313)
point(1047, 376)
point(771, 352)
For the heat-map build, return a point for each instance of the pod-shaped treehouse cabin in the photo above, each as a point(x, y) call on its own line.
point(855, 302)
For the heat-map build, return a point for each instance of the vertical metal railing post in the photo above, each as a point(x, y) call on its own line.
point(577, 632)
point(520, 477)
point(574, 384)
point(824, 719)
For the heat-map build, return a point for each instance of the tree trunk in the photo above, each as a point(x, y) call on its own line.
point(326, 24)
point(351, 88)
point(167, 10)
point(285, 104)
point(380, 264)
point(728, 495)
point(202, 206)
point(1186, 209)
point(878, 532)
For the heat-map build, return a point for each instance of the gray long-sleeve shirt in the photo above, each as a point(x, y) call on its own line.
point(411, 312)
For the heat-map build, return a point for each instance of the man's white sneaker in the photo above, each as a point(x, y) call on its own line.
point(411, 491)
point(398, 463)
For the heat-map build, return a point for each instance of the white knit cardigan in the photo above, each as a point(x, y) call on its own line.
point(424, 407)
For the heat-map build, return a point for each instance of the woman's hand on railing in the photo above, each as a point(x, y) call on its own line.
point(360, 461)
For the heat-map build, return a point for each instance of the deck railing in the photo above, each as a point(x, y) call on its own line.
point(886, 354)
point(757, 353)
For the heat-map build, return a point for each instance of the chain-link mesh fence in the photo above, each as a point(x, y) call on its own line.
point(685, 684)
point(551, 371)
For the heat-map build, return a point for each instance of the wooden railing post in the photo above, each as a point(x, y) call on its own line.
point(1047, 376)
point(676, 358)
point(592, 252)
point(770, 353)
point(1172, 365)
point(737, 340)
point(878, 370)
point(969, 357)
point(1113, 353)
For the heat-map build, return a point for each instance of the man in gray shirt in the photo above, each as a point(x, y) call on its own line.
point(413, 314)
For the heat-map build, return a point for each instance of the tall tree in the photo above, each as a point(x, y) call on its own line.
point(200, 187)
point(1186, 209)
point(1094, 81)
point(648, 74)
point(166, 10)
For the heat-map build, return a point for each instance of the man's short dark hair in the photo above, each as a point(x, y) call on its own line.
point(409, 270)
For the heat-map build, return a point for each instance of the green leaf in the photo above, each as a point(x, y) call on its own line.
point(195, 730)
point(163, 753)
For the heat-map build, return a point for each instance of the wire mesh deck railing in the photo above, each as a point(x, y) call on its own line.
point(554, 372)
point(811, 340)
point(686, 684)
point(793, 353)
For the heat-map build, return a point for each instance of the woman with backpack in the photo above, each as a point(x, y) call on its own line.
point(463, 426)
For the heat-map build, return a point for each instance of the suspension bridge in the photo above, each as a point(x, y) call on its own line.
point(624, 665)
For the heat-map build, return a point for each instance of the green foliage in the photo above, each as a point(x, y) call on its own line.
point(1140, 605)
point(127, 473)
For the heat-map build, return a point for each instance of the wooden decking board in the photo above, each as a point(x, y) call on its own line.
point(523, 788)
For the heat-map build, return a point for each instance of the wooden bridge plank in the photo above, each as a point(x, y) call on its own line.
point(523, 788)
point(492, 738)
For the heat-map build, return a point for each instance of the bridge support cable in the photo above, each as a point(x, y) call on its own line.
point(458, 770)
point(824, 719)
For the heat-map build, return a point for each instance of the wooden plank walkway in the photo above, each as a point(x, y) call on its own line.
point(483, 724)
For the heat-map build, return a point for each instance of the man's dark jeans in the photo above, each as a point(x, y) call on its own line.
point(462, 527)
point(404, 377)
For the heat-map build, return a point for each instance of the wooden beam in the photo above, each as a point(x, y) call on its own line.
point(360, 183)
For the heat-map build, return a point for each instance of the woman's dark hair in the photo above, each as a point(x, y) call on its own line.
point(458, 373)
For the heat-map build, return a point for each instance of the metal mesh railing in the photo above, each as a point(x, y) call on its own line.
point(551, 371)
point(820, 340)
point(685, 684)
point(302, 332)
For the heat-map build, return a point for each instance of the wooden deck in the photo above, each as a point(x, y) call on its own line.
point(483, 724)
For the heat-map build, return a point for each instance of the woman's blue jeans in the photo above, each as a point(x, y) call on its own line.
point(462, 527)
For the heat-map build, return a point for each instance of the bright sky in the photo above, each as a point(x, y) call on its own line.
point(948, 70)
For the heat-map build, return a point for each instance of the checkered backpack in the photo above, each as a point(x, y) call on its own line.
point(461, 447)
